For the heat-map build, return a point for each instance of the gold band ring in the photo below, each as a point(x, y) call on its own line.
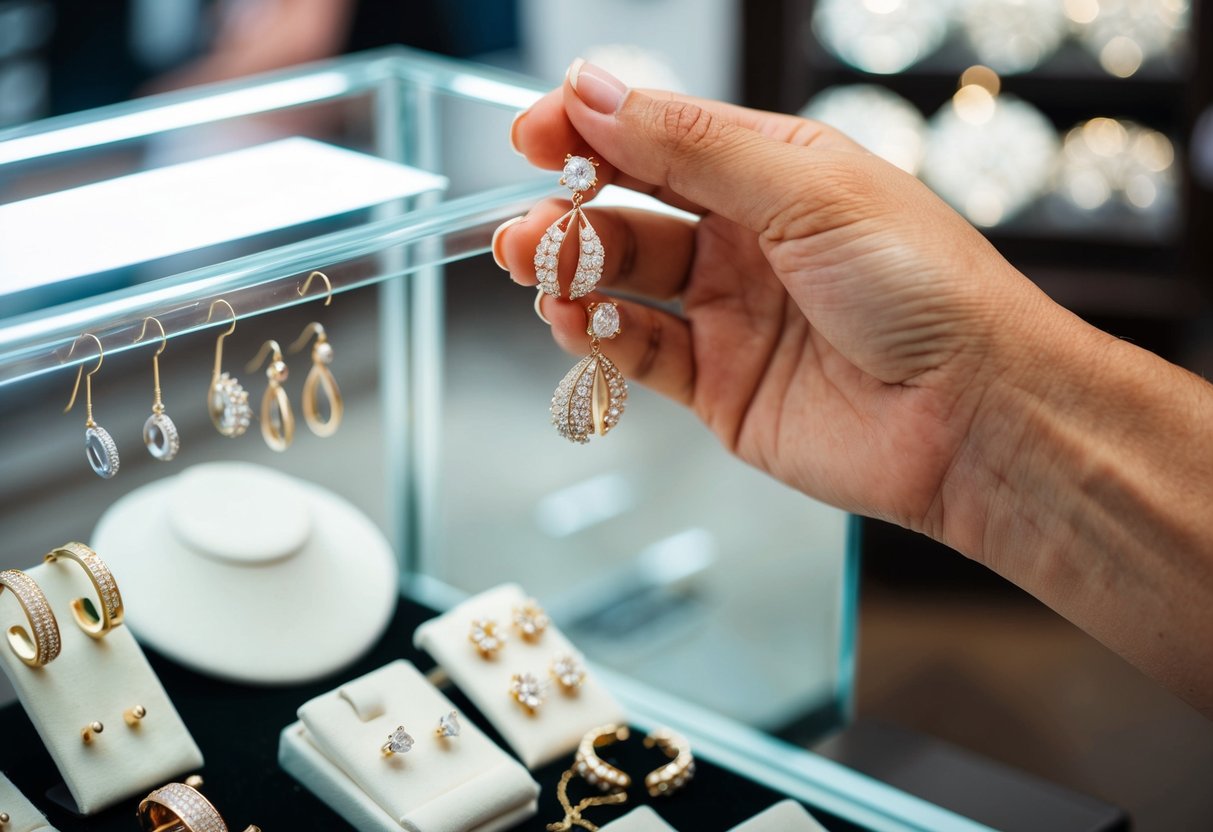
point(44, 646)
point(181, 807)
point(96, 622)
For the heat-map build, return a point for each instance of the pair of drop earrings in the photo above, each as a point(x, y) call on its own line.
point(591, 397)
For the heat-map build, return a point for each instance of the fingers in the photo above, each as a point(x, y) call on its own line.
point(645, 253)
point(653, 348)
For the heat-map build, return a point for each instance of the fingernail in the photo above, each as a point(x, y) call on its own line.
point(497, 256)
point(599, 89)
point(514, 132)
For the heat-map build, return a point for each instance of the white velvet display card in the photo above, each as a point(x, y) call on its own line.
point(460, 784)
point(556, 726)
point(96, 681)
point(786, 816)
point(23, 815)
point(640, 819)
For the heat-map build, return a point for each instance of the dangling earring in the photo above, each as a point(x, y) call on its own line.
point(277, 418)
point(319, 378)
point(591, 397)
point(578, 176)
point(159, 433)
point(227, 401)
point(99, 447)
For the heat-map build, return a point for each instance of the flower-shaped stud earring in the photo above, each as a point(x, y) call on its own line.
point(484, 636)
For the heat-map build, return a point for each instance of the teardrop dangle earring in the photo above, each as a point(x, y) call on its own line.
point(227, 400)
point(99, 447)
point(159, 433)
point(277, 418)
point(579, 175)
point(591, 397)
point(319, 381)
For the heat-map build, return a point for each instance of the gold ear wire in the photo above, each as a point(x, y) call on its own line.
point(328, 284)
point(163, 334)
point(262, 353)
point(88, 384)
point(157, 405)
point(301, 341)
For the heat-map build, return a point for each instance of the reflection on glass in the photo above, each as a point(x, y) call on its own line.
point(1013, 35)
point(1124, 34)
point(880, 120)
point(1104, 159)
point(988, 155)
point(882, 36)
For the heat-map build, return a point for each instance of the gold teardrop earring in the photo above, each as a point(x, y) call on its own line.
point(159, 433)
point(99, 447)
point(277, 418)
point(227, 400)
point(320, 380)
point(591, 397)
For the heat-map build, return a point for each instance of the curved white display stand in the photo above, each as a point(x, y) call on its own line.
point(96, 681)
point(23, 815)
point(460, 784)
point(558, 725)
point(785, 816)
point(244, 573)
point(640, 819)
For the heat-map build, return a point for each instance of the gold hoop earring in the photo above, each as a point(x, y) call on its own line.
point(319, 382)
point(227, 401)
point(591, 398)
point(675, 774)
point(159, 433)
point(95, 622)
point(277, 418)
point(590, 766)
point(44, 646)
point(99, 447)
point(578, 176)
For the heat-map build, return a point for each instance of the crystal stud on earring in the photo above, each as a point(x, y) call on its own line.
point(448, 726)
point(569, 672)
point(398, 742)
point(527, 691)
point(485, 637)
point(530, 620)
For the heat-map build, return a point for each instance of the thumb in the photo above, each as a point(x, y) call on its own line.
point(675, 143)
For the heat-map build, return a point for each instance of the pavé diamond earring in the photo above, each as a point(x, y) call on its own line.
point(578, 176)
point(277, 418)
point(227, 401)
point(99, 447)
point(159, 433)
point(591, 397)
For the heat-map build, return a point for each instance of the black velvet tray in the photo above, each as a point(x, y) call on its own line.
point(237, 728)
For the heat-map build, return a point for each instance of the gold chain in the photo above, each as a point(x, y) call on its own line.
point(572, 814)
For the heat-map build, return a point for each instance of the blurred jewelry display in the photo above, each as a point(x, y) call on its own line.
point(44, 646)
point(1012, 35)
point(159, 433)
point(1124, 34)
point(881, 36)
point(180, 806)
point(579, 176)
point(277, 417)
point(1104, 160)
point(591, 398)
point(96, 621)
point(879, 119)
point(99, 447)
point(227, 401)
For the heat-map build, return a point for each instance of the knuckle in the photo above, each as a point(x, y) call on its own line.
point(688, 126)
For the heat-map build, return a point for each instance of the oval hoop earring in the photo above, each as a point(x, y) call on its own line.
point(320, 382)
point(226, 400)
point(159, 432)
point(99, 447)
point(277, 418)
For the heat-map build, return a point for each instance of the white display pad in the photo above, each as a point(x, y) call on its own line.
point(23, 815)
point(560, 723)
point(245, 573)
point(96, 681)
point(157, 213)
point(459, 784)
point(640, 819)
point(786, 816)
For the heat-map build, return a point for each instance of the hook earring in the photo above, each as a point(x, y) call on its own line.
point(227, 401)
point(579, 176)
point(591, 397)
point(320, 381)
point(159, 433)
point(277, 418)
point(99, 447)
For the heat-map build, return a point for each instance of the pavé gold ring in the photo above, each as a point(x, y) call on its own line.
point(181, 808)
point(94, 620)
point(42, 648)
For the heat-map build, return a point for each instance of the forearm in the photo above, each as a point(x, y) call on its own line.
point(1087, 479)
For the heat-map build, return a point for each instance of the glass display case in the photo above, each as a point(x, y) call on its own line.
point(713, 599)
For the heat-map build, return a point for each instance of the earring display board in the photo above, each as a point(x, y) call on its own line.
point(97, 680)
point(556, 726)
point(463, 783)
point(786, 816)
point(23, 816)
point(197, 542)
point(643, 819)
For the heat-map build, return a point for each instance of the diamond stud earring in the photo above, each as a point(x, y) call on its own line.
point(590, 399)
point(569, 672)
point(159, 433)
point(448, 726)
point(277, 418)
point(398, 742)
point(484, 636)
point(527, 691)
point(227, 401)
point(579, 176)
point(530, 620)
point(99, 447)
